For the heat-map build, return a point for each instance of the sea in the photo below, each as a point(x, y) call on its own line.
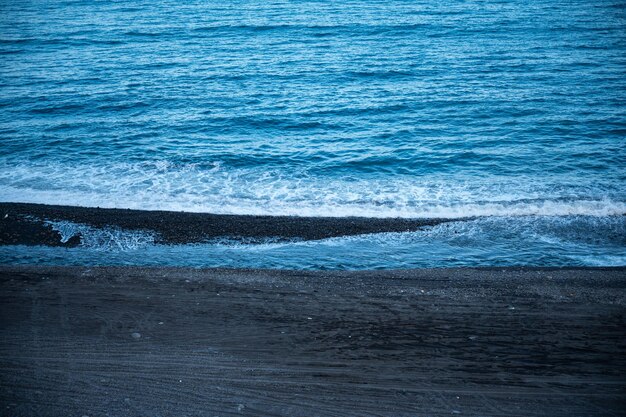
point(506, 116)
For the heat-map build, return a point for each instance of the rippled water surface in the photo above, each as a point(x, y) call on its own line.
point(512, 109)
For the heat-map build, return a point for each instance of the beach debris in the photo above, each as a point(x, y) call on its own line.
point(160, 323)
point(511, 308)
point(136, 335)
point(473, 337)
point(240, 407)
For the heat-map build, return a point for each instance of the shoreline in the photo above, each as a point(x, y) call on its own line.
point(184, 341)
point(25, 223)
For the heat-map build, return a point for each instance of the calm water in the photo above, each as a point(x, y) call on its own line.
point(510, 111)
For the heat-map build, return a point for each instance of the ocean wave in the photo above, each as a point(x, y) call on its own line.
point(162, 185)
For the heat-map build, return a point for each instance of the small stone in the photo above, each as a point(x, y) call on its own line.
point(160, 322)
point(309, 318)
point(240, 407)
point(136, 335)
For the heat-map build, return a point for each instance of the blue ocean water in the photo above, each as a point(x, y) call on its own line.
point(512, 112)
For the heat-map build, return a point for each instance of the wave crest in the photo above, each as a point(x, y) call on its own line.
point(213, 188)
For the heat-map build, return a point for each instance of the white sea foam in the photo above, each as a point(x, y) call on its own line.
point(111, 238)
point(161, 185)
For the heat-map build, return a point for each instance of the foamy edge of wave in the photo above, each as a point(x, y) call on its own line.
point(559, 207)
point(162, 185)
point(102, 239)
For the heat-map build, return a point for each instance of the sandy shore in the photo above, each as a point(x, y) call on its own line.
point(24, 224)
point(161, 342)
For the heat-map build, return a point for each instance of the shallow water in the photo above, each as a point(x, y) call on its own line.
point(485, 241)
point(388, 109)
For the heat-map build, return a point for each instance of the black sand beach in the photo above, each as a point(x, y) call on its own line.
point(24, 224)
point(160, 342)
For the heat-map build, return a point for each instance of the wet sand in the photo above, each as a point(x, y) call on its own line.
point(81, 341)
point(24, 224)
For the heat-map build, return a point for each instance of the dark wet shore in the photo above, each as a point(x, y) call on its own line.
point(22, 223)
point(165, 341)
